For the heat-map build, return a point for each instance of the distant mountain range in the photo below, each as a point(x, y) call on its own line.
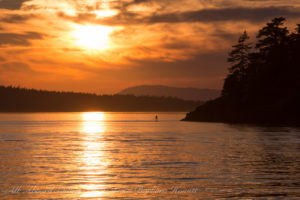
point(194, 94)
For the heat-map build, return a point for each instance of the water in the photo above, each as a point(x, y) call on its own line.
point(131, 156)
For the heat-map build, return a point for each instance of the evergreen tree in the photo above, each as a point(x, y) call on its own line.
point(239, 56)
point(239, 59)
point(295, 39)
point(293, 59)
point(272, 36)
point(270, 60)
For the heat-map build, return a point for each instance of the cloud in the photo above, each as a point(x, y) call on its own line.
point(16, 18)
point(226, 14)
point(15, 67)
point(14, 39)
point(80, 17)
point(204, 16)
point(136, 2)
point(11, 4)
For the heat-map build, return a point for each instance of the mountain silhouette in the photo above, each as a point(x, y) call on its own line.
point(194, 94)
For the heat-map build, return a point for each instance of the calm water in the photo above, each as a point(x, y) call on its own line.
point(130, 156)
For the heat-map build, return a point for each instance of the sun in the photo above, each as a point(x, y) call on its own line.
point(92, 37)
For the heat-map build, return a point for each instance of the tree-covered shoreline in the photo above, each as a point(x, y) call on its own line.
point(15, 99)
point(263, 84)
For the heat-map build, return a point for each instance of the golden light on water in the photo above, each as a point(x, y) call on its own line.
point(93, 116)
point(93, 127)
point(93, 158)
point(93, 122)
point(91, 37)
point(95, 191)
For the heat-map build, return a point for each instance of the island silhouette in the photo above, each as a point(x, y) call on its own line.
point(16, 99)
point(195, 94)
point(263, 84)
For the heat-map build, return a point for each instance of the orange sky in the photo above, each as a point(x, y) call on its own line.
point(105, 46)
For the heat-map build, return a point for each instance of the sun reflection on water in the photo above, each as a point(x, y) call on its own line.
point(94, 160)
point(93, 122)
point(93, 116)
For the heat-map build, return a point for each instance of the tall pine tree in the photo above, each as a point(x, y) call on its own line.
point(239, 59)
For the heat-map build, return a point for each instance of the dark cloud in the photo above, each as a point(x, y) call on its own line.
point(231, 37)
point(205, 15)
point(2, 59)
point(227, 14)
point(12, 4)
point(14, 39)
point(16, 18)
point(135, 2)
point(176, 45)
point(161, 5)
point(15, 67)
point(139, 1)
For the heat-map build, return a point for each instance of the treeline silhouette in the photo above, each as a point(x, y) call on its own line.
point(263, 84)
point(15, 99)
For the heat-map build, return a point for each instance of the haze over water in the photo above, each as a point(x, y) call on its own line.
point(131, 156)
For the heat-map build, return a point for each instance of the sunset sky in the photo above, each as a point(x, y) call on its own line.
point(105, 46)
